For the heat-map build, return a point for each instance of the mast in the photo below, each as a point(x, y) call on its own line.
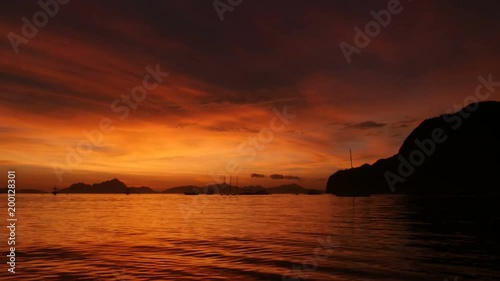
point(223, 187)
point(350, 153)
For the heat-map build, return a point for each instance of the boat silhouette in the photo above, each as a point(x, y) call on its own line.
point(353, 193)
point(55, 191)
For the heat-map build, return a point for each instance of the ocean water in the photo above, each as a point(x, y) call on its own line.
point(273, 237)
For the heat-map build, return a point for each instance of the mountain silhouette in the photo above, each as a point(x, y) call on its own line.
point(182, 189)
point(110, 186)
point(117, 186)
point(453, 154)
point(224, 188)
point(288, 188)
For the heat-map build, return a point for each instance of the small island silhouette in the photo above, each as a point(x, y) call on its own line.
point(115, 186)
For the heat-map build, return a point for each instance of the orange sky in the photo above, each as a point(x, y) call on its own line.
point(225, 79)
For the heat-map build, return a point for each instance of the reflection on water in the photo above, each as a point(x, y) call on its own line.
point(277, 237)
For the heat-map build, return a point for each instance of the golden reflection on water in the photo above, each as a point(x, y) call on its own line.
point(177, 237)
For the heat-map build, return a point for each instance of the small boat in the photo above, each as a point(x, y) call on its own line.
point(227, 189)
point(352, 193)
point(55, 191)
point(127, 191)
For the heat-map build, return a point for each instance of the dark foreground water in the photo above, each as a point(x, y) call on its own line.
point(275, 237)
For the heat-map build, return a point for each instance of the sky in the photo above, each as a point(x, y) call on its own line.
point(259, 88)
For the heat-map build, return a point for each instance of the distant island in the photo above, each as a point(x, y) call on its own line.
point(453, 154)
point(225, 188)
point(115, 186)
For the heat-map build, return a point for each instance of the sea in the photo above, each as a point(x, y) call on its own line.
point(257, 237)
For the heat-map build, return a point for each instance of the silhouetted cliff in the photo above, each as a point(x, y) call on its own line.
point(455, 153)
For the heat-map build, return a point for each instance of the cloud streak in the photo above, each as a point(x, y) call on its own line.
point(284, 177)
point(365, 125)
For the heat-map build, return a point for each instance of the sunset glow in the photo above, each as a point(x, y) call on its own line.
point(227, 80)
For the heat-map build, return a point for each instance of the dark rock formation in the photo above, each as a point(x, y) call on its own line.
point(455, 154)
